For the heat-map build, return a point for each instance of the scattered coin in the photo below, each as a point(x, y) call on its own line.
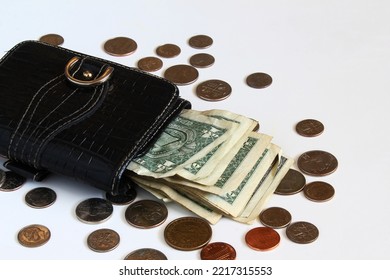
point(146, 254)
point(150, 64)
point(293, 182)
point(275, 217)
point(33, 235)
point(200, 41)
point(188, 233)
point(94, 210)
point(309, 128)
point(319, 191)
point(302, 232)
point(146, 213)
point(202, 60)
point(218, 251)
point(259, 80)
point(52, 39)
point(317, 163)
point(2, 177)
point(103, 240)
point(181, 74)
point(262, 238)
point(40, 197)
point(120, 46)
point(213, 90)
point(168, 50)
point(12, 181)
point(126, 193)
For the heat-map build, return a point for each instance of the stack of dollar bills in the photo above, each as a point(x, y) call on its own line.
point(214, 164)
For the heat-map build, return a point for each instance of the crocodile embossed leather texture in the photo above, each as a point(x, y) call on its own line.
point(90, 133)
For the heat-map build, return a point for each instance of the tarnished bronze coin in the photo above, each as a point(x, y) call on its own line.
point(319, 191)
point(120, 46)
point(181, 74)
point(259, 80)
point(218, 251)
point(262, 238)
point(302, 232)
point(150, 64)
point(200, 41)
point(309, 128)
point(168, 50)
point(202, 60)
point(275, 217)
point(188, 233)
point(146, 213)
point(41, 197)
point(33, 235)
point(146, 254)
point(103, 240)
point(317, 163)
point(293, 182)
point(213, 90)
point(94, 210)
point(52, 39)
point(12, 181)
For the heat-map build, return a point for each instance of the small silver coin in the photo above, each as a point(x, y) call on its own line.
point(40, 197)
point(94, 210)
point(12, 182)
point(126, 192)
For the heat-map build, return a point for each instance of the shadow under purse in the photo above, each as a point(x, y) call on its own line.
point(76, 115)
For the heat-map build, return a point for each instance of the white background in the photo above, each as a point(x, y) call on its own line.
point(329, 60)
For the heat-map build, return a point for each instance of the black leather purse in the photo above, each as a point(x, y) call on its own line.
point(76, 115)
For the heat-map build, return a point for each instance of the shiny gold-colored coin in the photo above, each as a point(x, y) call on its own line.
point(218, 251)
point(309, 128)
point(293, 182)
point(181, 74)
point(259, 80)
point(146, 254)
point(103, 240)
point(188, 233)
point(150, 64)
point(275, 217)
point(319, 191)
point(33, 235)
point(200, 41)
point(317, 163)
point(52, 39)
point(202, 60)
point(168, 50)
point(302, 232)
point(213, 90)
point(120, 46)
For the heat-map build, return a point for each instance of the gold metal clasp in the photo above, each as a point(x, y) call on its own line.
point(99, 80)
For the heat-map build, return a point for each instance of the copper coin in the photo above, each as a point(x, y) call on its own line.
point(52, 39)
point(259, 80)
point(213, 90)
point(302, 232)
point(293, 182)
point(120, 46)
point(188, 233)
point(262, 238)
point(309, 128)
point(103, 240)
point(40, 197)
point(168, 50)
point(319, 191)
point(218, 251)
point(202, 60)
point(94, 210)
point(317, 163)
point(200, 41)
point(146, 213)
point(146, 254)
point(33, 235)
point(275, 217)
point(12, 181)
point(150, 64)
point(181, 74)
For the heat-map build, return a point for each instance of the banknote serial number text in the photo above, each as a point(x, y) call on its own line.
point(239, 270)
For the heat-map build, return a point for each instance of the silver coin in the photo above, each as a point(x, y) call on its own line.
point(2, 177)
point(40, 197)
point(12, 182)
point(94, 210)
point(127, 192)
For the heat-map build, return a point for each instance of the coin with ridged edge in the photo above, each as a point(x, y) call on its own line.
point(146, 254)
point(302, 232)
point(218, 251)
point(319, 191)
point(34, 235)
point(120, 46)
point(188, 233)
point(94, 210)
point(293, 182)
point(41, 197)
point(12, 181)
point(103, 240)
point(181, 74)
point(146, 213)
